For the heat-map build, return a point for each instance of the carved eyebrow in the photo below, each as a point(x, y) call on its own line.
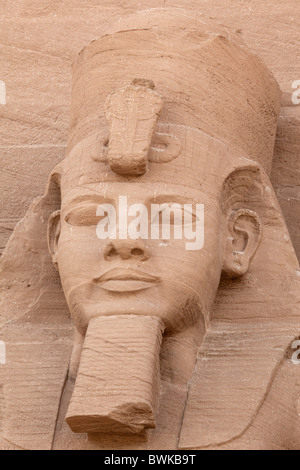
point(96, 199)
point(170, 199)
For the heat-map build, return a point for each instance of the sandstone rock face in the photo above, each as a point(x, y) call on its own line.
point(149, 342)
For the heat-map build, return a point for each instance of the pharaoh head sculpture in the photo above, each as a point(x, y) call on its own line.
point(171, 111)
point(161, 114)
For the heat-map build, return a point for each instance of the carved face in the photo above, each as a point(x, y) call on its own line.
point(151, 277)
point(143, 277)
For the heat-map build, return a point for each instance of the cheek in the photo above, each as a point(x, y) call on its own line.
point(200, 269)
point(191, 267)
point(79, 254)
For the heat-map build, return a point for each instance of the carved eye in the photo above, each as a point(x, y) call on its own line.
point(174, 214)
point(84, 215)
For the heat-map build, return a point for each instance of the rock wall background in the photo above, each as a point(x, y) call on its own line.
point(39, 40)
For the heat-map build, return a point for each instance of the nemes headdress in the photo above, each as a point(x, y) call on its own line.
point(170, 67)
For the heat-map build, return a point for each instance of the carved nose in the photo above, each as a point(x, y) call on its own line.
point(126, 249)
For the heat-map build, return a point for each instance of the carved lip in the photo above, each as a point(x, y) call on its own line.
point(126, 280)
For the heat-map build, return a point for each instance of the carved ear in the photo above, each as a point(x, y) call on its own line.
point(243, 233)
point(53, 235)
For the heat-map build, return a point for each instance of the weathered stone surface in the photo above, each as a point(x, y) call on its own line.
point(120, 367)
point(35, 325)
point(18, 185)
point(227, 347)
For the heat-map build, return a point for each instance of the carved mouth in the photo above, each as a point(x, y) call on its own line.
point(126, 280)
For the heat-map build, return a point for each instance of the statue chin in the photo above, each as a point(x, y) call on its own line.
point(174, 318)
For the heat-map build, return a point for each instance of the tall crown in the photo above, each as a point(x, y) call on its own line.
point(205, 78)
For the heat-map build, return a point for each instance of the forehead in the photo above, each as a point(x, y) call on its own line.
point(201, 166)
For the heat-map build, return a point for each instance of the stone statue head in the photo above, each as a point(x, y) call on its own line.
point(172, 144)
point(171, 112)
